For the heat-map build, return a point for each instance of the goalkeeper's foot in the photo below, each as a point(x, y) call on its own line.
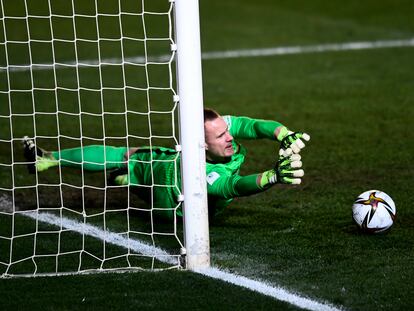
point(118, 177)
point(39, 159)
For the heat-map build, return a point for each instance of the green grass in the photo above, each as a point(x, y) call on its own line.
point(356, 105)
point(126, 292)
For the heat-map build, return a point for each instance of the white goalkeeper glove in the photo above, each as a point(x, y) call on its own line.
point(286, 171)
point(291, 142)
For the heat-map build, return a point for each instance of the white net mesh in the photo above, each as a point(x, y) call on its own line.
point(75, 74)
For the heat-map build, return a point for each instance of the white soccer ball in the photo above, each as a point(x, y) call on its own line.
point(374, 211)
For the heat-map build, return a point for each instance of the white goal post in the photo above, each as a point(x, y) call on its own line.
point(106, 74)
point(192, 134)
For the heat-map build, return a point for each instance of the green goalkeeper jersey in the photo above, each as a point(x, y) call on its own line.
point(154, 172)
point(160, 167)
point(223, 180)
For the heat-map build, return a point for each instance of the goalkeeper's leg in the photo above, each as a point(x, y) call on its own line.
point(92, 158)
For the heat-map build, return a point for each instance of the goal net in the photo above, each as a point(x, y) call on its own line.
point(76, 74)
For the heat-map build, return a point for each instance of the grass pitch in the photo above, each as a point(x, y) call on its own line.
point(358, 108)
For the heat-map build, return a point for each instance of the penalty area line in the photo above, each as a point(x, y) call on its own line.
point(303, 49)
point(240, 53)
point(258, 286)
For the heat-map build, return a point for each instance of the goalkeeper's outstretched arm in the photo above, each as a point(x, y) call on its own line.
point(248, 128)
point(286, 171)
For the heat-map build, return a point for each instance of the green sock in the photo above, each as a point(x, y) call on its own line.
point(95, 157)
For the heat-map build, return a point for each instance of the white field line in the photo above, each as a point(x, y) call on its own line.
point(104, 235)
point(147, 249)
point(329, 47)
point(272, 51)
point(276, 292)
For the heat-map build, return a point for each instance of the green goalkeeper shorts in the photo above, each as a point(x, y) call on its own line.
point(155, 177)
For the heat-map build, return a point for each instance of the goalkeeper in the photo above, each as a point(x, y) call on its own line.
point(144, 166)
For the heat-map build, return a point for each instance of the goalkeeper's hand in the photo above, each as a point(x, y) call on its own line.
point(286, 171)
point(291, 142)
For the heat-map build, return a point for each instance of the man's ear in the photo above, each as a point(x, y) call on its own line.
point(206, 146)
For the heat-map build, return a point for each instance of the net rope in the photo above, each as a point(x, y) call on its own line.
point(74, 74)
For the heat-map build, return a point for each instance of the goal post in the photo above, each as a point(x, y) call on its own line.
point(192, 134)
point(89, 81)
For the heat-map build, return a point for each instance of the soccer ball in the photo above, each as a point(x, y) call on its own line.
point(374, 211)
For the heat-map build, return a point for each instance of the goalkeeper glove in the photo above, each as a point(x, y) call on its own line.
point(285, 172)
point(291, 142)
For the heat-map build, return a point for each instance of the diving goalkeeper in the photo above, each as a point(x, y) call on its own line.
point(144, 166)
